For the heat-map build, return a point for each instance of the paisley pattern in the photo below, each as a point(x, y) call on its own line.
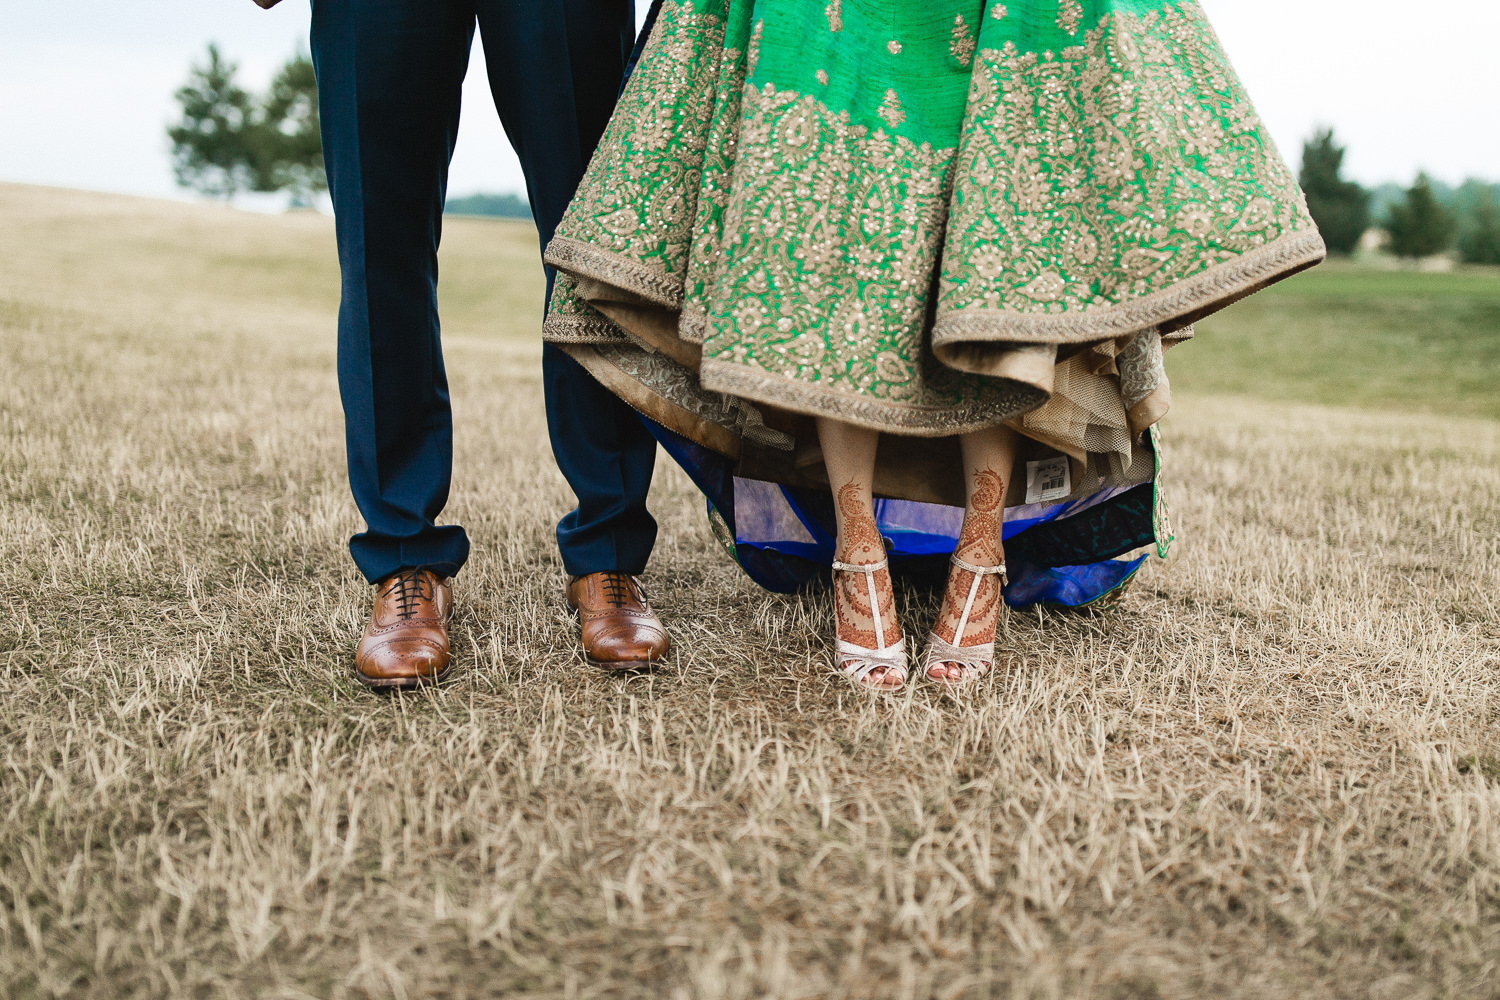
point(826, 271)
point(1141, 367)
point(571, 320)
point(721, 152)
point(877, 210)
point(677, 385)
point(1107, 180)
point(640, 198)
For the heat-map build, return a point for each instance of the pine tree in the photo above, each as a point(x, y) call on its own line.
point(1480, 242)
point(289, 144)
point(1340, 208)
point(1420, 226)
point(211, 148)
point(228, 140)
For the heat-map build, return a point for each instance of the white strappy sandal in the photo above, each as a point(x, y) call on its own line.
point(974, 660)
point(856, 662)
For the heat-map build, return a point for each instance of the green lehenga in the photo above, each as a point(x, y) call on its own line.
point(921, 216)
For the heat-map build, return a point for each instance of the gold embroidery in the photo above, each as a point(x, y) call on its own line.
point(646, 216)
point(1116, 187)
point(999, 11)
point(1069, 15)
point(753, 54)
point(1121, 184)
point(571, 320)
point(822, 75)
point(666, 379)
point(1162, 514)
point(835, 14)
point(721, 149)
point(962, 44)
point(890, 110)
point(1141, 367)
point(894, 47)
point(822, 287)
point(999, 401)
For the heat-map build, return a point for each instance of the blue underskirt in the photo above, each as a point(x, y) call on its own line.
point(1063, 554)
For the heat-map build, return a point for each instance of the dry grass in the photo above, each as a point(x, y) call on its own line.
point(1274, 771)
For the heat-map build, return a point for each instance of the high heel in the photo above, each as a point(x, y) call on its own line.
point(856, 662)
point(974, 660)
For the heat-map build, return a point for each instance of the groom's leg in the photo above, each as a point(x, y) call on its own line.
point(390, 74)
point(555, 68)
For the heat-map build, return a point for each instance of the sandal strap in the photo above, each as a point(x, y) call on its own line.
point(980, 570)
point(979, 573)
point(896, 651)
point(866, 568)
point(869, 570)
point(975, 660)
point(856, 662)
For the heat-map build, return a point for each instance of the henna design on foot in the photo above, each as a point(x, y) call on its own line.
point(978, 543)
point(854, 617)
point(857, 524)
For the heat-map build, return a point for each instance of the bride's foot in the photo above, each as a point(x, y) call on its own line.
point(962, 644)
point(870, 650)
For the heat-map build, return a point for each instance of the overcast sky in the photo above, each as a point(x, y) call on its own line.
point(86, 85)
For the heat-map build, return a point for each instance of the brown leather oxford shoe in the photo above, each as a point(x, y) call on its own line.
point(406, 643)
point(620, 631)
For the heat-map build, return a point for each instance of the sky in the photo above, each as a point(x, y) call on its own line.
point(86, 85)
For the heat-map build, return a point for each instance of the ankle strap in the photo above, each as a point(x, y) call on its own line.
point(866, 568)
point(869, 572)
point(978, 570)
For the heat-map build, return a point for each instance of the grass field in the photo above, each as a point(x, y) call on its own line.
point(1272, 771)
point(1343, 335)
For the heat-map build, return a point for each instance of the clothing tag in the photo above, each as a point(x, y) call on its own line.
point(1048, 480)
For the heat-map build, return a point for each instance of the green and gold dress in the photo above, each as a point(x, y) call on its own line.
point(924, 217)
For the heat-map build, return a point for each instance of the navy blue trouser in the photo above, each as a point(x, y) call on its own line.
point(390, 75)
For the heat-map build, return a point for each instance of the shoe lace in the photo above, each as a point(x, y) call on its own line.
point(408, 587)
point(617, 588)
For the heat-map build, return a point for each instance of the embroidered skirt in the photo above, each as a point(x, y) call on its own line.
point(921, 216)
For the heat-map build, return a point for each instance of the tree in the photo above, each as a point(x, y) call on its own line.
point(1480, 242)
point(228, 140)
point(1341, 208)
point(211, 146)
point(1420, 226)
point(289, 143)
